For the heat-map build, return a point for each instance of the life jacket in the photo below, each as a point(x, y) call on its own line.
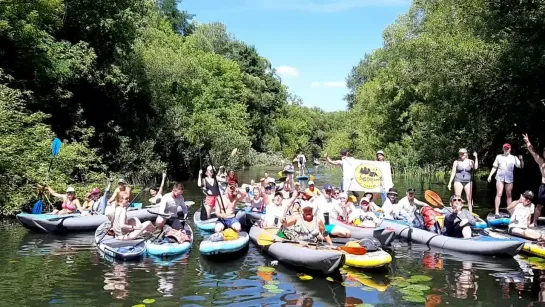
point(430, 216)
point(229, 234)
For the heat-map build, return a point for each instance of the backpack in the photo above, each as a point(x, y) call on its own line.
point(429, 215)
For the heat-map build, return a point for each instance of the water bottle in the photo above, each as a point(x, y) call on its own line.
point(326, 218)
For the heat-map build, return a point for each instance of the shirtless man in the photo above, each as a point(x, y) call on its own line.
point(227, 218)
point(541, 193)
point(117, 197)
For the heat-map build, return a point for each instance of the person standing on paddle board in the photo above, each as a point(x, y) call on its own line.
point(301, 161)
point(225, 209)
point(505, 165)
point(345, 159)
point(210, 188)
point(541, 163)
point(461, 174)
point(169, 205)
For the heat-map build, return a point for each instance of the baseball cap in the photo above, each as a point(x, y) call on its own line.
point(328, 187)
point(507, 145)
point(344, 152)
point(392, 191)
point(364, 200)
point(462, 150)
point(343, 195)
point(411, 190)
point(271, 180)
point(311, 182)
point(380, 152)
point(121, 180)
point(70, 190)
point(95, 191)
point(528, 195)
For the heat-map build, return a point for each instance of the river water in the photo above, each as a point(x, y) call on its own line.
point(40, 269)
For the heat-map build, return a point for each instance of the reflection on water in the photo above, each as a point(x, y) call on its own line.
point(38, 269)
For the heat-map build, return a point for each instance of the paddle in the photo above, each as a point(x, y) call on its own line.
point(433, 199)
point(266, 239)
point(55, 149)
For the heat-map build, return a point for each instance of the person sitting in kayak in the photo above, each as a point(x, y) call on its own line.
point(157, 193)
point(388, 207)
point(458, 221)
point(86, 204)
point(372, 204)
point(305, 227)
point(365, 216)
point(92, 200)
point(325, 205)
point(70, 203)
point(257, 203)
point(121, 190)
point(407, 206)
point(211, 188)
point(521, 211)
point(124, 228)
point(169, 205)
point(226, 209)
point(342, 210)
point(311, 190)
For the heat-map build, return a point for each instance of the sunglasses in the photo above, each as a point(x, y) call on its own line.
point(457, 199)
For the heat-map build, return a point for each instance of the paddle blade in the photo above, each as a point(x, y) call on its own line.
point(433, 198)
point(265, 239)
point(353, 250)
point(311, 177)
point(56, 147)
point(37, 208)
point(234, 152)
point(280, 173)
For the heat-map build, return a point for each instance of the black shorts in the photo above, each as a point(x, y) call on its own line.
point(541, 195)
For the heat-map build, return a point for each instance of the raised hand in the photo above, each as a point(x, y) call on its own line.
point(525, 138)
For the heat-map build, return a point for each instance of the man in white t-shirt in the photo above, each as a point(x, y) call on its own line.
point(505, 165)
point(521, 213)
point(407, 205)
point(325, 204)
point(345, 159)
point(390, 205)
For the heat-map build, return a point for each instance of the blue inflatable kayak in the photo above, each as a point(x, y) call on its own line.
point(210, 224)
point(502, 220)
point(162, 248)
point(215, 248)
point(114, 249)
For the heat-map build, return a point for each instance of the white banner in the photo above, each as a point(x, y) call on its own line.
point(366, 176)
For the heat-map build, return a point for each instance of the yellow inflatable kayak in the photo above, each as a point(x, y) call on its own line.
point(530, 247)
point(374, 259)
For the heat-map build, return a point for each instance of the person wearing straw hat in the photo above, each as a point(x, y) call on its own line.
point(461, 174)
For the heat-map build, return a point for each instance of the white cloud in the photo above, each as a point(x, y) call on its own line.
point(324, 6)
point(328, 84)
point(287, 71)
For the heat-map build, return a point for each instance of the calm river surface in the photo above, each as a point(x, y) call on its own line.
point(39, 270)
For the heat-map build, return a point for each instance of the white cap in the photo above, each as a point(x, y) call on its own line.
point(311, 182)
point(380, 152)
point(271, 180)
point(365, 199)
point(70, 189)
point(343, 195)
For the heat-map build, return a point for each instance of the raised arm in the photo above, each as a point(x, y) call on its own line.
point(539, 160)
point(334, 162)
point(199, 180)
point(476, 162)
point(52, 192)
point(160, 192)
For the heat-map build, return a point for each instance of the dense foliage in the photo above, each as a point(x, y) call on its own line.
point(134, 87)
point(451, 74)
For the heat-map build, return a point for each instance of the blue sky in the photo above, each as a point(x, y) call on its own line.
point(313, 44)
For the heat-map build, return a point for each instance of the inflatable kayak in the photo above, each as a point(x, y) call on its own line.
point(502, 220)
point(383, 235)
point(215, 248)
point(163, 248)
point(369, 260)
point(483, 245)
point(113, 248)
point(27, 219)
point(322, 260)
point(530, 247)
point(62, 224)
point(302, 178)
point(479, 223)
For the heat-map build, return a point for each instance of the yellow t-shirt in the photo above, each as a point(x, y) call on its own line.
point(316, 192)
